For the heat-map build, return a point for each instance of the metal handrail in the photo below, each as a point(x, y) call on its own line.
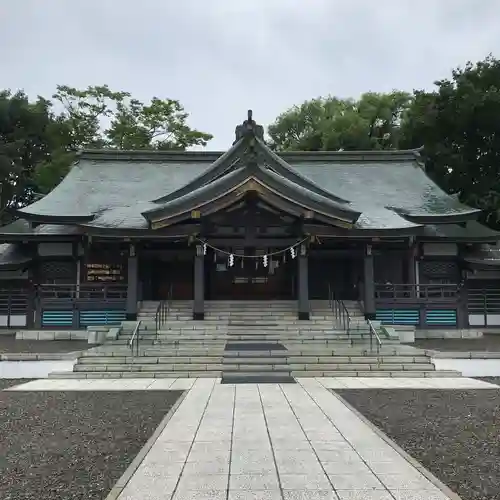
point(373, 333)
point(135, 336)
point(163, 310)
point(340, 311)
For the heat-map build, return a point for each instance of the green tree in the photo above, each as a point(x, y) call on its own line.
point(26, 139)
point(371, 122)
point(98, 117)
point(459, 127)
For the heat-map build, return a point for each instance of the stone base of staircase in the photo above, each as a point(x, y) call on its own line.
point(252, 342)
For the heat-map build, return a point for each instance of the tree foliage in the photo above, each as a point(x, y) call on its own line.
point(459, 127)
point(98, 117)
point(371, 122)
point(457, 124)
point(28, 133)
point(39, 140)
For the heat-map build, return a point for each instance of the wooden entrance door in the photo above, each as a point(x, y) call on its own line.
point(176, 276)
point(251, 281)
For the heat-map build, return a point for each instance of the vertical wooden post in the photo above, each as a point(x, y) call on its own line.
point(369, 284)
point(303, 275)
point(199, 284)
point(31, 307)
point(38, 310)
point(131, 313)
point(412, 278)
point(462, 307)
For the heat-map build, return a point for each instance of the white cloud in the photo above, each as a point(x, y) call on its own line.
point(221, 57)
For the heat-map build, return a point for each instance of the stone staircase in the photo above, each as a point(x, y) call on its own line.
point(251, 341)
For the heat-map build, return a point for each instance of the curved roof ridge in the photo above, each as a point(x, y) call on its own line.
point(386, 155)
point(314, 196)
point(226, 184)
point(147, 155)
point(218, 168)
point(287, 171)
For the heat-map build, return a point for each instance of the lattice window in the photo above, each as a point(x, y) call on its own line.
point(436, 269)
point(63, 272)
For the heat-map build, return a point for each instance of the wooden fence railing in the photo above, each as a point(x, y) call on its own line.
point(419, 293)
point(84, 292)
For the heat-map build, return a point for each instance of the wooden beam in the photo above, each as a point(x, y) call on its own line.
point(252, 242)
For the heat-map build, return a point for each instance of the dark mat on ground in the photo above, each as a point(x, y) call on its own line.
point(73, 445)
point(454, 433)
point(5, 383)
point(261, 379)
point(487, 343)
point(254, 346)
point(9, 344)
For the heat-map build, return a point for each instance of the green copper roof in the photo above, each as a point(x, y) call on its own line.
point(473, 230)
point(21, 227)
point(128, 190)
point(13, 255)
point(113, 188)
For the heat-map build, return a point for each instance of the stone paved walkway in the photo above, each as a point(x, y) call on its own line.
point(270, 442)
point(151, 384)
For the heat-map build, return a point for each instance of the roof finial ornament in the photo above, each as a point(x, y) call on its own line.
point(249, 128)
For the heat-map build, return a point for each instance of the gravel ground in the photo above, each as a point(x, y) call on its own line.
point(487, 343)
point(9, 382)
point(73, 445)
point(454, 433)
point(9, 344)
point(491, 380)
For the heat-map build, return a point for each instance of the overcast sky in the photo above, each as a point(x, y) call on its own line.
point(222, 57)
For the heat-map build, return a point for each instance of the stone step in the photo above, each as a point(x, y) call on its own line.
point(135, 374)
point(257, 378)
point(385, 367)
point(290, 336)
point(166, 327)
point(380, 374)
point(243, 358)
point(218, 324)
point(358, 359)
point(256, 368)
point(180, 367)
point(272, 318)
point(311, 353)
point(107, 360)
point(250, 328)
point(254, 375)
point(290, 344)
point(329, 366)
point(251, 335)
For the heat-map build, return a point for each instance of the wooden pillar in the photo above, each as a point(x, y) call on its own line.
point(412, 276)
point(132, 285)
point(303, 282)
point(199, 284)
point(462, 306)
point(369, 284)
point(38, 313)
point(31, 309)
point(34, 275)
